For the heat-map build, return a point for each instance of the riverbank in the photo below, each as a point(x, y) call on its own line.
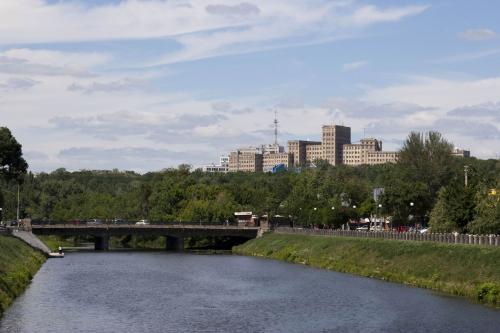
point(18, 264)
point(464, 270)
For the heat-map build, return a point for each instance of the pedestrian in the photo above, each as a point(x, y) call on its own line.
point(60, 250)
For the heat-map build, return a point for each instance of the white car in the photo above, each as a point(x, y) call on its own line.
point(142, 222)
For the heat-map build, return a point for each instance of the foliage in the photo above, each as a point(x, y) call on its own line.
point(425, 175)
point(18, 264)
point(12, 164)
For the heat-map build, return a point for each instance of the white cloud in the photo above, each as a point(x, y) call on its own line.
point(351, 66)
point(439, 92)
point(478, 34)
point(367, 15)
point(203, 28)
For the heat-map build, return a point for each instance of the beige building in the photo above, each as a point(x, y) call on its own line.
point(270, 160)
point(245, 160)
point(368, 151)
point(460, 152)
point(300, 148)
point(314, 152)
point(333, 138)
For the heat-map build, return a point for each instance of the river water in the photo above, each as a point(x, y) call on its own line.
point(120, 291)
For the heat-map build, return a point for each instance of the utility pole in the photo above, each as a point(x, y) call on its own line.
point(17, 203)
point(466, 174)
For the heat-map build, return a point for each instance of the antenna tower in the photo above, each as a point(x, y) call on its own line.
point(275, 127)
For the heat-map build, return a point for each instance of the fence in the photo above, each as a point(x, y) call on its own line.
point(452, 238)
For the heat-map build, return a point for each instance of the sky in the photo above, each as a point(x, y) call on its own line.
point(149, 84)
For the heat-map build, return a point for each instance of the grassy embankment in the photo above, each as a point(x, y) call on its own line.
point(465, 270)
point(53, 242)
point(18, 264)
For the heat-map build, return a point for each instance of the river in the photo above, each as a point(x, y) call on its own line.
point(121, 291)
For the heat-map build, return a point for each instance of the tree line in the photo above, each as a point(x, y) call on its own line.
point(426, 175)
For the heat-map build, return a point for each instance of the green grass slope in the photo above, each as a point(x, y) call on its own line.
point(18, 264)
point(465, 270)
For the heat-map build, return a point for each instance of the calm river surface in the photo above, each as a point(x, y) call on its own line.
point(166, 292)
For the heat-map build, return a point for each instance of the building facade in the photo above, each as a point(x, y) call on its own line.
point(299, 149)
point(368, 151)
point(270, 160)
point(460, 152)
point(333, 138)
point(247, 160)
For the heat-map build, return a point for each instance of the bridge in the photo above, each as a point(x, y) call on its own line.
point(174, 234)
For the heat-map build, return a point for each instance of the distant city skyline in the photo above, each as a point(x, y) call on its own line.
point(146, 85)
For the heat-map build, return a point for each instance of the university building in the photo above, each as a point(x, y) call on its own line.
point(368, 151)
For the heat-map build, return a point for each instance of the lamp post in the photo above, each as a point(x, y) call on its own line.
point(333, 211)
point(379, 208)
point(412, 204)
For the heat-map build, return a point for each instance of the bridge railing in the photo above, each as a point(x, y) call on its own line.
point(450, 238)
point(133, 222)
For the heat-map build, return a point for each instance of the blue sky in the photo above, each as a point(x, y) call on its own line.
point(145, 85)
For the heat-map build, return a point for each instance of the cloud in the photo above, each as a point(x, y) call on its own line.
point(140, 159)
point(467, 127)
point(466, 57)
point(227, 107)
point(369, 14)
point(351, 66)
point(361, 109)
point(111, 126)
point(50, 63)
point(14, 83)
point(438, 92)
point(485, 110)
point(124, 85)
point(241, 9)
point(478, 34)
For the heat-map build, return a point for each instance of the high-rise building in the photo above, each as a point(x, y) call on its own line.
point(247, 160)
point(303, 151)
point(368, 151)
point(270, 160)
point(332, 140)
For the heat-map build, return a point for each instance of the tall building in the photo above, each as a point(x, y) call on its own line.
point(270, 160)
point(368, 151)
point(333, 138)
point(303, 151)
point(247, 160)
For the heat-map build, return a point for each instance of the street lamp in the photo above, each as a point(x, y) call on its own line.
point(378, 222)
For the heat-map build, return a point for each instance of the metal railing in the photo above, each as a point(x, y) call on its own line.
point(450, 238)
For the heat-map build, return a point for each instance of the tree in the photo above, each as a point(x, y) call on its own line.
point(454, 208)
point(425, 165)
point(487, 220)
point(12, 163)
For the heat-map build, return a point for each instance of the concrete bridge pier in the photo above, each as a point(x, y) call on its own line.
point(175, 243)
point(101, 243)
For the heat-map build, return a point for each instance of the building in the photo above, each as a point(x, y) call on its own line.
point(270, 160)
point(460, 152)
point(314, 151)
point(368, 151)
point(333, 138)
point(247, 160)
point(299, 150)
point(215, 168)
point(223, 165)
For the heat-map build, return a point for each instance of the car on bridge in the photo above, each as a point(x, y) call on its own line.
point(119, 221)
point(94, 222)
point(142, 222)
